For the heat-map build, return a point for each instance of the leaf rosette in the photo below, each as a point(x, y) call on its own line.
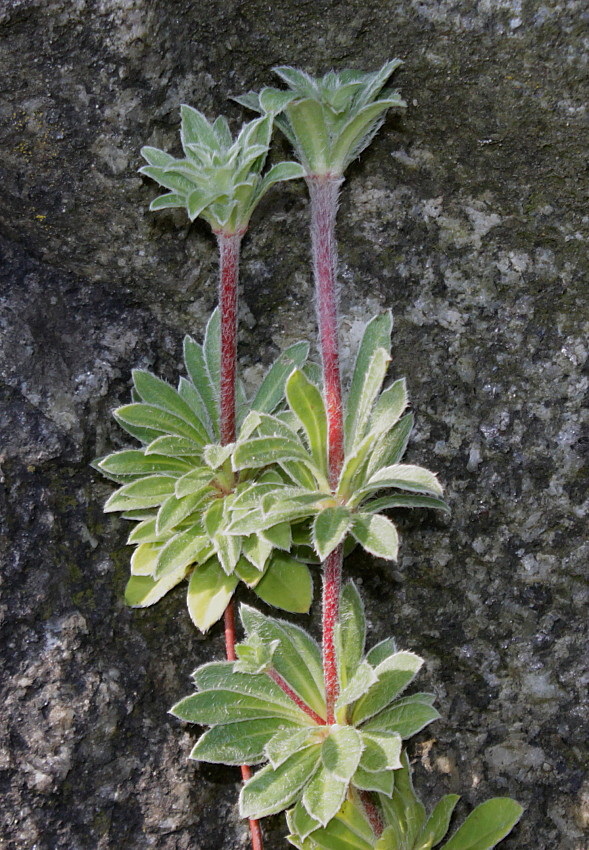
point(328, 120)
point(377, 431)
point(181, 490)
point(269, 706)
point(406, 823)
point(219, 179)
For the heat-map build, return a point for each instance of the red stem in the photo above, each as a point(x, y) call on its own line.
point(324, 193)
point(283, 685)
point(229, 245)
point(372, 813)
point(332, 580)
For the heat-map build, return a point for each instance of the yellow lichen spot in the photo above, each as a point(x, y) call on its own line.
point(40, 217)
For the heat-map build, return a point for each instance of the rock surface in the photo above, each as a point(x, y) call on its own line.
point(468, 217)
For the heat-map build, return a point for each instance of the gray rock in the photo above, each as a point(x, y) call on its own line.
point(468, 217)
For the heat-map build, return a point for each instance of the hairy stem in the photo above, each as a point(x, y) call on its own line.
point(283, 685)
point(372, 812)
point(324, 193)
point(229, 245)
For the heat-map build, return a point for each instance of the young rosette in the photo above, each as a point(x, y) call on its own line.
point(406, 825)
point(219, 179)
point(270, 706)
point(377, 430)
point(329, 120)
point(180, 489)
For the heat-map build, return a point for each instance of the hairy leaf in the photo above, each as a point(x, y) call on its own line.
point(143, 591)
point(241, 742)
point(287, 584)
point(486, 825)
point(394, 674)
point(270, 791)
point(209, 593)
point(330, 528)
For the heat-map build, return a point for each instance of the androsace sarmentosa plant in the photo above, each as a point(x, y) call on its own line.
point(179, 488)
point(224, 489)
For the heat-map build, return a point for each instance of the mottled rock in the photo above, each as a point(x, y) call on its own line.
point(468, 217)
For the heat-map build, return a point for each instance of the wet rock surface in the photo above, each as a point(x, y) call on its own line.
point(468, 217)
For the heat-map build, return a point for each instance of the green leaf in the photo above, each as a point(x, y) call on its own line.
point(196, 129)
point(197, 369)
point(350, 633)
point(329, 529)
point(191, 396)
point(270, 791)
point(297, 659)
point(220, 675)
point(407, 717)
point(174, 447)
point(256, 549)
point(394, 675)
point(390, 447)
point(155, 156)
point(254, 656)
point(278, 534)
point(287, 584)
point(278, 173)
point(181, 550)
point(144, 532)
point(241, 742)
point(389, 407)
point(166, 202)
point(382, 751)
point(274, 100)
point(263, 451)
point(141, 493)
point(135, 462)
point(156, 421)
point(376, 534)
point(383, 782)
point(247, 572)
point(307, 122)
point(174, 510)
point(369, 389)
point(487, 825)
point(359, 683)
point(194, 482)
point(156, 392)
point(438, 823)
point(287, 742)
point(359, 131)
point(209, 593)
point(271, 390)
point(212, 351)
point(384, 649)
point(353, 475)
point(377, 334)
point(144, 559)
point(178, 183)
point(400, 501)
point(341, 752)
point(349, 830)
point(405, 477)
point(209, 708)
point(143, 591)
point(404, 812)
point(306, 402)
point(324, 796)
point(300, 821)
point(215, 455)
